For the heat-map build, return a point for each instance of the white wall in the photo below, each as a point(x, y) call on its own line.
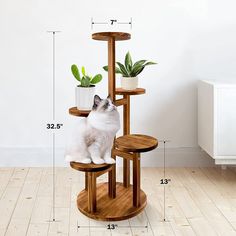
point(190, 40)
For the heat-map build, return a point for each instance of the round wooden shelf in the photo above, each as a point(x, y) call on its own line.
point(75, 112)
point(89, 167)
point(109, 209)
point(136, 143)
point(105, 36)
point(137, 91)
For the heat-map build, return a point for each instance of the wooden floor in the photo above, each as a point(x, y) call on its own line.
point(199, 201)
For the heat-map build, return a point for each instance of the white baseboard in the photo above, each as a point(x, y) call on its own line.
point(37, 157)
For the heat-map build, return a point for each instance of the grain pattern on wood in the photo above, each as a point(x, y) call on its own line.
point(112, 178)
point(111, 92)
point(102, 172)
point(126, 131)
point(108, 209)
point(75, 112)
point(92, 192)
point(137, 91)
point(208, 188)
point(10, 196)
point(125, 155)
point(120, 102)
point(89, 167)
point(105, 36)
point(136, 143)
point(136, 180)
point(111, 68)
point(86, 181)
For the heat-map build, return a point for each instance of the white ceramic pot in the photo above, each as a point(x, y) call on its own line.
point(129, 83)
point(84, 97)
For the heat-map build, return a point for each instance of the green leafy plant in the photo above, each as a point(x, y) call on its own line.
point(130, 69)
point(85, 80)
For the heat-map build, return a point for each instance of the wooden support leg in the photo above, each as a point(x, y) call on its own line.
point(112, 181)
point(126, 173)
point(92, 201)
point(126, 130)
point(86, 181)
point(136, 180)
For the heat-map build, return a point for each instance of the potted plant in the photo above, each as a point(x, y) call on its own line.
point(84, 92)
point(130, 71)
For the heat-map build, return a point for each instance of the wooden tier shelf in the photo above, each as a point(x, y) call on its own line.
point(136, 143)
point(108, 209)
point(89, 167)
point(137, 91)
point(75, 112)
point(105, 36)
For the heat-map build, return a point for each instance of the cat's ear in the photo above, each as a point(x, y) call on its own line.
point(109, 97)
point(97, 99)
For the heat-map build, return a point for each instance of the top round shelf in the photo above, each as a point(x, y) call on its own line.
point(137, 91)
point(105, 36)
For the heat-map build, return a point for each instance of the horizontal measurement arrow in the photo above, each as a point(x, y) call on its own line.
point(124, 23)
point(123, 226)
point(99, 23)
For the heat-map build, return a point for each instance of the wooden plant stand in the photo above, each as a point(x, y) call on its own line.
point(113, 201)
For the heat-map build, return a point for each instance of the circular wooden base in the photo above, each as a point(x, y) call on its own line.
point(108, 209)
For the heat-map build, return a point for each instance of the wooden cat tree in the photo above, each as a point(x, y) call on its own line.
point(114, 201)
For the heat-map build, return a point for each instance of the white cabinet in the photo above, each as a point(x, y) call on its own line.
point(217, 120)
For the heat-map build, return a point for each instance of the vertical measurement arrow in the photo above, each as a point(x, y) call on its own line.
point(53, 32)
point(164, 180)
point(164, 174)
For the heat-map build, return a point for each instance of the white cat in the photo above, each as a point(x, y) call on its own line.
point(94, 135)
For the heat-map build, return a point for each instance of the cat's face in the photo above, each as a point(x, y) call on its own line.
point(103, 105)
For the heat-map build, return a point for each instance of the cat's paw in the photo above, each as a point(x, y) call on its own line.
point(98, 161)
point(110, 160)
point(86, 161)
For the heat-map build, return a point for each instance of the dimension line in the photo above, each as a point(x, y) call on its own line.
point(53, 32)
point(164, 177)
point(111, 22)
point(111, 227)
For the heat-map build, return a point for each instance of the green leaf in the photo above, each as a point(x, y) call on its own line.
point(118, 71)
point(96, 79)
point(150, 63)
point(128, 62)
point(136, 68)
point(85, 81)
point(105, 68)
point(124, 72)
point(139, 66)
point(140, 62)
point(137, 72)
point(83, 70)
point(75, 72)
